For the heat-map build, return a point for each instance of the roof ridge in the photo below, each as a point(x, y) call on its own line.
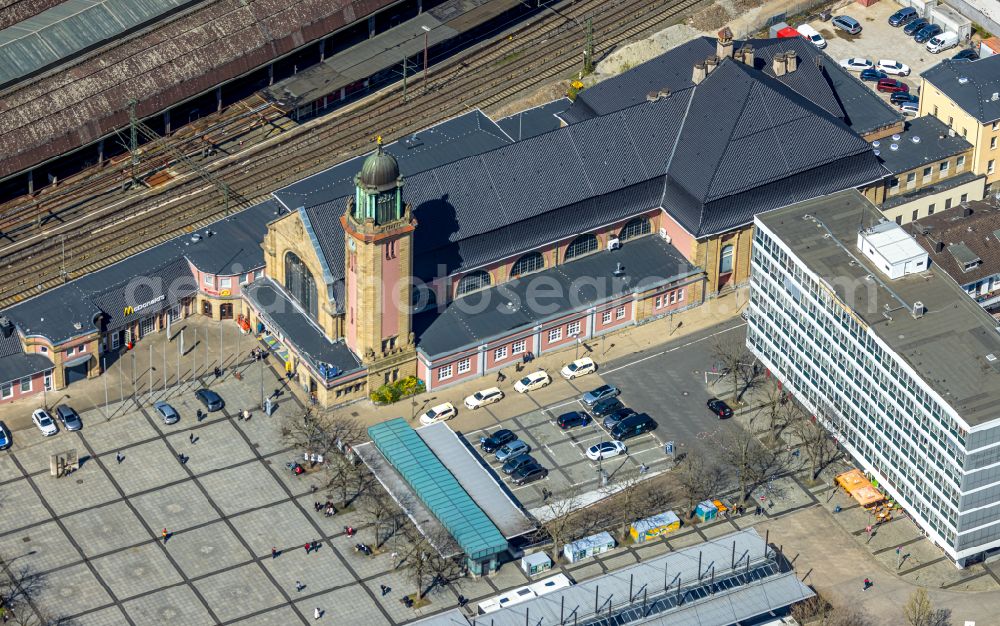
point(732, 129)
point(677, 140)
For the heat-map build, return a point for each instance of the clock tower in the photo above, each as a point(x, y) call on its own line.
point(379, 264)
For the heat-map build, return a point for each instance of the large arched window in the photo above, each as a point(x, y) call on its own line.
point(299, 284)
point(531, 262)
point(726, 259)
point(635, 228)
point(473, 281)
point(584, 244)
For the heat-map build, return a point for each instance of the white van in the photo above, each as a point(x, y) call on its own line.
point(942, 42)
point(810, 33)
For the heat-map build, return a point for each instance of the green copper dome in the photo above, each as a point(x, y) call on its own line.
point(380, 169)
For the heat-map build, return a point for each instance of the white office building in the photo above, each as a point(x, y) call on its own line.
point(890, 355)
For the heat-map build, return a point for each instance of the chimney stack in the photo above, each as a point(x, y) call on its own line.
point(699, 73)
point(724, 47)
point(778, 64)
point(747, 55)
point(939, 247)
point(967, 211)
point(818, 59)
point(791, 61)
point(711, 63)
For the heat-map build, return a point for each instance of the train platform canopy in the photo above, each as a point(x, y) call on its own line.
point(436, 488)
point(361, 61)
point(747, 580)
point(69, 28)
point(454, 139)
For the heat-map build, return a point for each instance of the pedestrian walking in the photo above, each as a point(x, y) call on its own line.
point(385, 590)
point(299, 586)
point(308, 547)
point(274, 552)
point(313, 546)
point(318, 613)
point(183, 459)
point(119, 457)
point(191, 437)
point(165, 535)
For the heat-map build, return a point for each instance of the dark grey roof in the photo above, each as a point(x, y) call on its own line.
point(274, 305)
point(673, 69)
point(451, 140)
point(928, 190)
point(978, 233)
point(534, 121)
point(14, 363)
point(818, 78)
point(235, 247)
point(482, 316)
point(923, 140)
point(159, 288)
point(972, 85)
point(741, 152)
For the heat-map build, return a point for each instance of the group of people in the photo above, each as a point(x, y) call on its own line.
point(327, 508)
point(257, 354)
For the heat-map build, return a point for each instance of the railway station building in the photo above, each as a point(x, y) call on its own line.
point(461, 249)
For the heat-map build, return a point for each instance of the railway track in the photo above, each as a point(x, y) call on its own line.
point(529, 54)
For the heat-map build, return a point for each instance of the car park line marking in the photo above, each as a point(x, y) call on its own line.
point(674, 349)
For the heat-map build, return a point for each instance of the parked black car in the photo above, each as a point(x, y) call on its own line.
point(516, 463)
point(573, 418)
point(529, 474)
point(924, 34)
point(497, 440)
point(966, 55)
point(633, 427)
point(720, 408)
point(915, 25)
point(607, 406)
point(873, 75)
point(211, 400)
point(900, 97)
point(903, 16)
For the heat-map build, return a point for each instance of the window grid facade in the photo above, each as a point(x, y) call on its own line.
point(464, 365)
point(582, 245)
point(573, 328)
point(500, 353)
point(606, 317)
point(555, 335)
point(531, 262)
point(864, 395)
point(635, 228)
point(444, 372)
point(472, 282)
point(519, 346)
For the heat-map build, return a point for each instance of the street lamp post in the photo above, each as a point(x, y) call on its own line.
point(576, 338)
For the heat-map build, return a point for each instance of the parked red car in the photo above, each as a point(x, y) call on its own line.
point(891, 85)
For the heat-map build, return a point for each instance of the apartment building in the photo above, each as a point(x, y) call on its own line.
point(965, 95)
point(890, 355)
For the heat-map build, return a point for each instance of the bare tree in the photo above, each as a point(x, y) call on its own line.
point(629, 504)
point(734, 362)
point(697, 480)
point(425, 565)
point(560, 522)
point(321, 434)
point(753, 463)
point(20, 587)
point(347, 477)
point(816, 442)
point(380, 511)
point(919, 611)
point(778, 411)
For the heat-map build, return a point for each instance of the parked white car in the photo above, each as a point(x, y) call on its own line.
point(812, 35)
point(534, 380)
point(944, 41)
point(893, 67)
point(856, 64)
point(484, 397)
point(579, 367)
point(606, 450)
point(439, 413)
point(44, 422)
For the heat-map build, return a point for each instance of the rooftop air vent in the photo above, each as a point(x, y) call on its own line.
point(877, 152)
point(962, 80)
point(991, 357)
point(895, 137)
point(995, 96)
point(77, 325)
point(876, 143)
point(915, 139)
point(894, 147)
point(195, 238)
point(918, 310)
point(619, 270)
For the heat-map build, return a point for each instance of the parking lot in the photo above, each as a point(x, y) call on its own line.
point(668, 385)
point(879, 40)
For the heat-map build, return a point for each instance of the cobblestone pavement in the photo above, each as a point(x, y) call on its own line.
point(96, 534)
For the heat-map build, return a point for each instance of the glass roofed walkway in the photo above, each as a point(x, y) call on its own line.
point(440, 492)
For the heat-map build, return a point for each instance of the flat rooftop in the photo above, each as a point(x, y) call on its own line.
point(923, 140)
point(954, 346)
